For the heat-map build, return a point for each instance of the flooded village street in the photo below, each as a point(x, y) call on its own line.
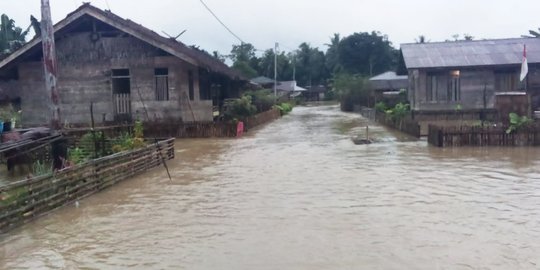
point(298, 194)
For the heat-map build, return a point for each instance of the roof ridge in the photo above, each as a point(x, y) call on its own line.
point(469, 41)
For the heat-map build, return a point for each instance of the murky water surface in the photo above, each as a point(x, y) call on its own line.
point(298, 194)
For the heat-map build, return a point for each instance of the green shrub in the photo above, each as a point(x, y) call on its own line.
point(284, 108)
point(380, 107)
point(517, 122)
point(76, 155)
point(41, 168)
point(241, 108)
point(398, 113)
point(262, 99)
point(138, 129)
point(87, 144)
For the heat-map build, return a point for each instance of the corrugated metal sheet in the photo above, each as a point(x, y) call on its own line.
point(389, 80)
point(470, 53)
point(169, 45)
point(389, 75)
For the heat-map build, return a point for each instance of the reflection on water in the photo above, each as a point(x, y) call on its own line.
point(298, 194)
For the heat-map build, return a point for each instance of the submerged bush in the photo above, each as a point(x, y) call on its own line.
point(284, 108)
point(517, 122)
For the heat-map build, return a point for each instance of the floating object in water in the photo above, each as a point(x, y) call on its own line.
point(361, 141)
point(358, 140)
point(77, 204)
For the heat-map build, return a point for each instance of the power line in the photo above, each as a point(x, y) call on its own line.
point(223, 24)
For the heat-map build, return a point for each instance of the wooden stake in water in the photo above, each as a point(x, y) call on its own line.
point(367, 132)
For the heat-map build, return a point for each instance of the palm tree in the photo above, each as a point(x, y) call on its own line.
point(332, 61)
point(534, 33)
point(11, 36)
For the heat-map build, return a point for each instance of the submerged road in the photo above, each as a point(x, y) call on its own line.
point(298, 194)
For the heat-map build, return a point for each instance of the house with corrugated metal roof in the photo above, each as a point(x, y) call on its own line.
point(122, 67)
point(470, 75)
point(389, 87)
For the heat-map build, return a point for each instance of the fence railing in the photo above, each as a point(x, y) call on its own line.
point(261, 118)
point(206, 129)
point(404, 125)
point(482, 136)
point(27, 199)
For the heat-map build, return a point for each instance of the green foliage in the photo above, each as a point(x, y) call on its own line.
point(11, 36)
point(138, 129)
point(245, 69)
point(243, 52)
point(76, 155)
point(284, 108)
point(8, 113)
point(265, 65)
point(380, 107)
point(262, 99)
point(244, 59)
point(398, 112)
point(367, 53)
point(351, 90)
point(241, 108)
point(87, 143)
point(517, 122)
point(332, 57)
point(41, 168)
point(126, 142)
point(8, 197)
point(535, 33)
point(310, 65)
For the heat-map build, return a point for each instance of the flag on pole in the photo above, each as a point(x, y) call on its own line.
point(524, 65)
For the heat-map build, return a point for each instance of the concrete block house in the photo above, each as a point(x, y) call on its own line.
point(118, 65)
point(470, 76)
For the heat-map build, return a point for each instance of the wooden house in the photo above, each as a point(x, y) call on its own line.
point(389, 88)
point(469, 76)
point(120, 66)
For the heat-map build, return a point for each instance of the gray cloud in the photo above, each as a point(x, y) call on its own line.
point(290, 22)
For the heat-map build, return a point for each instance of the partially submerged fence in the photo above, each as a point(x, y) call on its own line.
point(405, 125)
point(482, 136)
point(261, 118)
point(190, 130)
point(24, 200)
point(206, 129)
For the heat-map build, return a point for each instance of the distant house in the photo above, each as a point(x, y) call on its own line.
point(389, 87)
point(264, 82)
point(470, 75)
point(289, 88)
point(118, 65)
point(315, 93)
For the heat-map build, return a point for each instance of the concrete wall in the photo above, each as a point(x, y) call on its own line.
point(9, 89)
point(84, 76)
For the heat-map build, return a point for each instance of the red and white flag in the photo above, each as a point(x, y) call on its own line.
point(524, 65)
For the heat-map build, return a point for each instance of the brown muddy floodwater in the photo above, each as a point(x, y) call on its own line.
point(298, 194)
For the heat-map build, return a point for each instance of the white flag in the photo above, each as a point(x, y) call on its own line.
point(524, 65)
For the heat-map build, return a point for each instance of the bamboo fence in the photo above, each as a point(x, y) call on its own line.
point(24, 200)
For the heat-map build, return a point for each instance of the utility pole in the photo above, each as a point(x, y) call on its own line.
point(49, 63)
point(294, 67)
point(275, 71)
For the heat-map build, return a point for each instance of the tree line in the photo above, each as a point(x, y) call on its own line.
point(363, 53)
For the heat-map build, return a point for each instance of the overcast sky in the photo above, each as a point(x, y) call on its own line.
point(290, 22)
